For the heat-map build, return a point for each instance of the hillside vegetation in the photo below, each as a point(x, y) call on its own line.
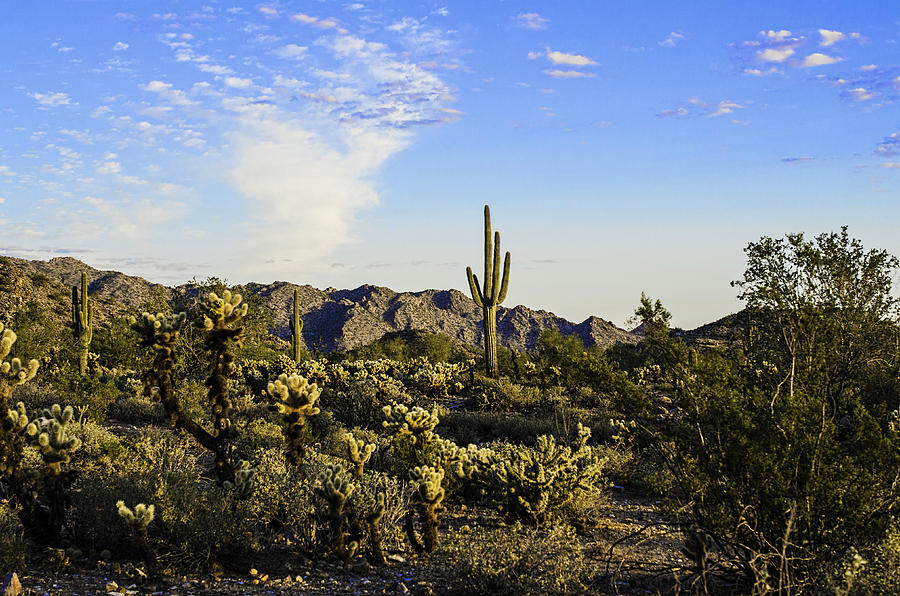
point(760, 457)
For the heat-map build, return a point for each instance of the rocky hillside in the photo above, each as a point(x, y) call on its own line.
point(332, 319)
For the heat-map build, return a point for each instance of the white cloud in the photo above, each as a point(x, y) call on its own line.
point(819, 59)
point(859, 94)
point(52, 99)
point(238, 83)
point(670, 113)
point(282, 81)
point(569, 59)
point(568, 74)
point(723, 107)
point(673, 38)
point(775, 54)
point(535, 55)
point(269, 11)
point(868, 67)
point(829, 38)
point(215, 69)
point(293, 177)
point(890, 164)
point(120, 46)
point(776, 35)
point(110, 167)
point(530, 20)
point(315, 21)
point(290, 50)
point(166, 91)
point(761, 73)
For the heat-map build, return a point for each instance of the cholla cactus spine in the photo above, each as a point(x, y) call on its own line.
point(372, 521)
point(297, 402)
point(137, 520)
point(55, 445)
point(82, 321)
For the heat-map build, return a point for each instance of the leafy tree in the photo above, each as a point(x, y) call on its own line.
point(782, 452)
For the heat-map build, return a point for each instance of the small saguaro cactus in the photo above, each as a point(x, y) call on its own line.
point(82, 321)
point(358, 452)
point(492, 294)
point(12, 373)
point(137, 520)
point(296, 325)
point(429, 497)
point(297, 401)
point(334, 487)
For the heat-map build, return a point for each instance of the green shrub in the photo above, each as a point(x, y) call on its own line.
point(136, 410)
point(360, 404)
point(13, 547)
point(89, 395)
point(513, 561)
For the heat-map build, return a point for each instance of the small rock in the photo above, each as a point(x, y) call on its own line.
point(396, 559)
point(400, 588)
point(112, 587)
point(298, 579)
point(11, 585)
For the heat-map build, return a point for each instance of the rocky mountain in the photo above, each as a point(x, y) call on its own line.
point(332, 319)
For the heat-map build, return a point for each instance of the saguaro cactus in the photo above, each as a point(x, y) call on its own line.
point(296, 329)
point(493, 293)
point(82, 321)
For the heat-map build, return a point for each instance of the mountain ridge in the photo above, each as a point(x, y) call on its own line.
point(334, 319)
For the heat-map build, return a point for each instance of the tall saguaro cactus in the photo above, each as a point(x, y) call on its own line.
point(492, 294)
point(82, 321)
point(296, 328)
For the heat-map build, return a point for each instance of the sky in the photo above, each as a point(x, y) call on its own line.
point(623, 146)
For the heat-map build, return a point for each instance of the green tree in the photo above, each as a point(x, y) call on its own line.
point(782, 451)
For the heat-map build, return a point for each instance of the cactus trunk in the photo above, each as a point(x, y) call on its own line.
point(491, 367)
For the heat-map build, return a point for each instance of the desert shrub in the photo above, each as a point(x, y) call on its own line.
point(89, 395)
point(99, 447)
point(881, 571)
point(466, 427)
point(137, 409)
point(513, 561)
point(260, 434)
point(13, 547)
point(503, 395)
point(196, 522)
point(361, 403)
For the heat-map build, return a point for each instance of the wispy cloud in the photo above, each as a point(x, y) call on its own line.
point(672, 39)
point(795, 160)
point(889, 146)
point(120, 46)
point(52, 99)
point(697, 107)
point(568, 74)
point(290, 50)
point(859, 94)
point(568, 59)
point(530, 20)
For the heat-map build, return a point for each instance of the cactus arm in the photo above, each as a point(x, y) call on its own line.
point(505, 285)
point(495, 275)
point(473, 287)
point(488, 255)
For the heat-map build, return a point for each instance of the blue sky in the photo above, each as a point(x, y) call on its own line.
point(623, 146)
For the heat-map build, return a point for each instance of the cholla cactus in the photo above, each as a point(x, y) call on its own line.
point(139, 517)
point(534, 483)
point(244, 480)
point(137, 520)
point(297, 401)
point(15, 430)
point(418, 423)
point(372, 520)
point(55, 445)
point(223, 312)
point(358, 452)
point(334, 487)
point(12, 373)
point(429, 497)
